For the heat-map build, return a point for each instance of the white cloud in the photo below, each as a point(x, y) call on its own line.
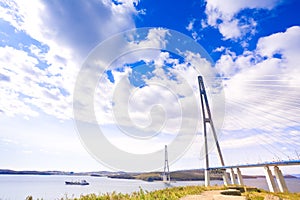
point(155, 39)
point(166, 102)
point(222, 15)
point(106, 90)
point(269, 56)
point(287, 44)
point(160, 90)
point(230, 29)
point(29, 87)
point(245, 141)
point(261, 89)
point(56, 22)
point(219, 49)
point(191, 27)
point(167, 99)
point(68, 39)
point(231, 7)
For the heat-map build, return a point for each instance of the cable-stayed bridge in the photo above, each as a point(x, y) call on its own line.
point(237, 179)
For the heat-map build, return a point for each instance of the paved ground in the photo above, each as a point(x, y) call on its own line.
point(212, 195)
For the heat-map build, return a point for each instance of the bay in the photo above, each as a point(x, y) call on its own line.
point(16, 187)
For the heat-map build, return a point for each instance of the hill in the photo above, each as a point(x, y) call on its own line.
point(182, 175)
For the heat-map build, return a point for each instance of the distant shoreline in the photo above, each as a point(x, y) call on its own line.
point(181, 175)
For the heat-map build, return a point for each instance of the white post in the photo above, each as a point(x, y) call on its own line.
point(232, 176)
point(225, 178)
point(164, 178)
point(270, 180)
point(280, 180)
point(240, 177)
point(207, 177)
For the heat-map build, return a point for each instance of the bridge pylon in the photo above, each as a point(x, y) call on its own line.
point(166, 175)
point(208, 121)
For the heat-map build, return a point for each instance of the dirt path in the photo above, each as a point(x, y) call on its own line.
point(212, 195)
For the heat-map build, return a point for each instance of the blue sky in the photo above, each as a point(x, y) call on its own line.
point(253, 45)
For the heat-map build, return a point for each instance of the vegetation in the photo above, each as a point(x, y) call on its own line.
point(151, 176)
point(182, 175)
point(178, 192)
point(260, 195)
point(165, 194)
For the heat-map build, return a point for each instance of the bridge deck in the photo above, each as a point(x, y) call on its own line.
point(277, 163)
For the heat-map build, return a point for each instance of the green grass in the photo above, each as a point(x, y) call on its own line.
point(260, 195)
point(165, 194)
point(178, 192)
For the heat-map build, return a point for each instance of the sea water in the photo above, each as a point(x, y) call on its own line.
point(53, 187)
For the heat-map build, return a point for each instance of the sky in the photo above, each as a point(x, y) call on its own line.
point(135, 64)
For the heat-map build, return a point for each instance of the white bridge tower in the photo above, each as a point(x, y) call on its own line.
point(166, 174)
point(207, 121)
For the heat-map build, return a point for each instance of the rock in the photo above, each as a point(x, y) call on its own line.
point(232, 192)
point(272, 197)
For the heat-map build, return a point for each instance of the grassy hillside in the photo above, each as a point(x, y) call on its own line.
point(178, 192)
point(165, 194)
point(183, 175)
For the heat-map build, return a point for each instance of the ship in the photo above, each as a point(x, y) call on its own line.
point(82, 182)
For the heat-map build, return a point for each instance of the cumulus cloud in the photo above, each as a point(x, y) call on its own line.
point(190, 26)
point(163, 87)
point(30, 87)
point(149, 95)
point(55, 21)
point(41, 76)
point(230, 29)
point(268, 55)
point(261, 89)
point(224, 16)
point(158, 108)
point(286, 47)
